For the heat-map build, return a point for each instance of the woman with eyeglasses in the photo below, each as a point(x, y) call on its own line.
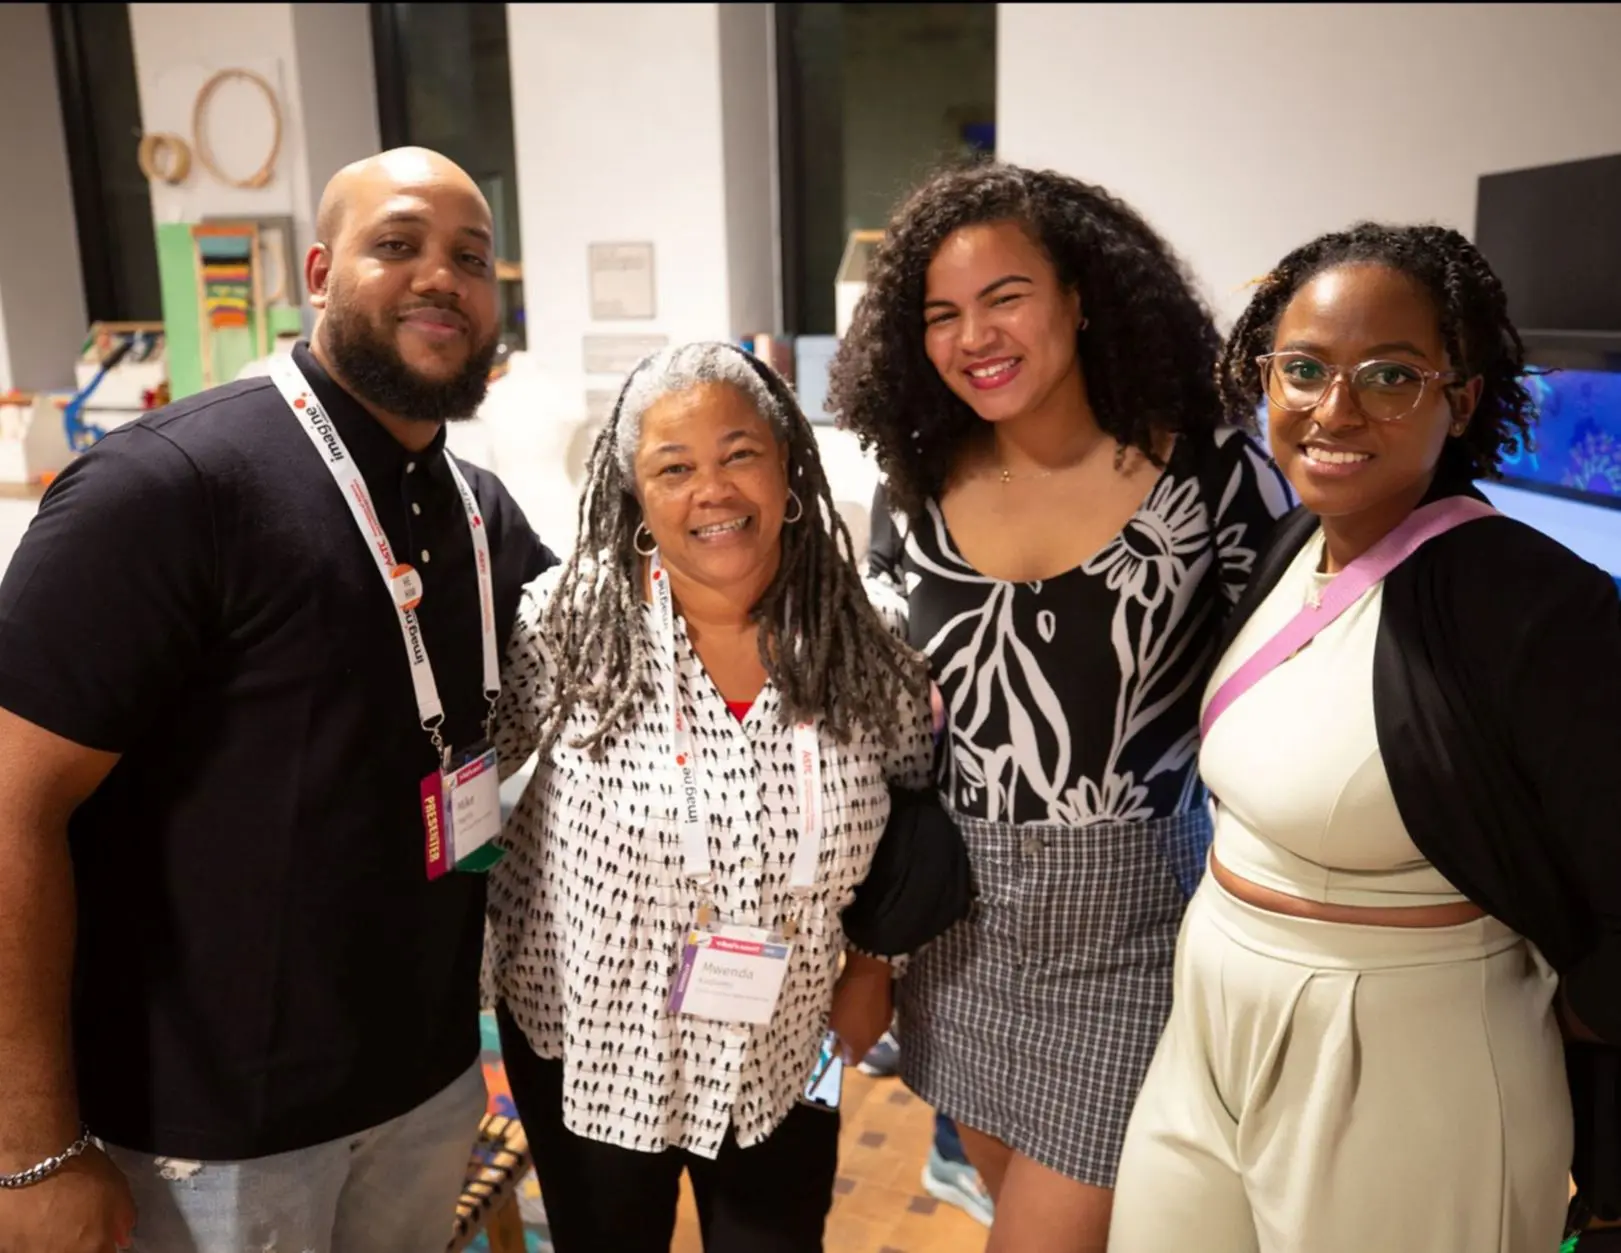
point(1412, 739)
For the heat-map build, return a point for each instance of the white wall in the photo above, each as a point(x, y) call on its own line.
point(632, 123)
point(620, 138)
point(319, 60)
point(337, 85)
point(42, 314)
point(1386, 112)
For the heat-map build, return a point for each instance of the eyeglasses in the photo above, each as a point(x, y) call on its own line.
point(1385, 391)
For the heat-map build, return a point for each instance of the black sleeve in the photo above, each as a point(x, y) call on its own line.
point(106, 605)
point(539, 558)
point(884, 546)
point(1251, 495)
point(1562, 704)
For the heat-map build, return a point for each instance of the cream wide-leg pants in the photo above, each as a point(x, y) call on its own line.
point(1324, 1088)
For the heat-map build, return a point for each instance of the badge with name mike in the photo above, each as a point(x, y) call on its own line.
point(461, 815)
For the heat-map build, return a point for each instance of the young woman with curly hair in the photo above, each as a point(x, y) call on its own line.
point(1071, 521)
point(1411, 738)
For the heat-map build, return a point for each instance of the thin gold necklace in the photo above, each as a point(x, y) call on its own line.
point(1008, 476)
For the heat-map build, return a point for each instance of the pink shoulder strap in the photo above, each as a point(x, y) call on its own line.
point(1347, 587)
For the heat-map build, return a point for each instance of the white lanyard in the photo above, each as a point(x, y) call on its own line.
point(403, 583)
point(694, 822)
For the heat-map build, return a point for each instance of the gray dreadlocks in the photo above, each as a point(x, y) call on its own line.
point(823, 646)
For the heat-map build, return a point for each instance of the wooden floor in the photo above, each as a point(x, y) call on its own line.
point(880, 1205)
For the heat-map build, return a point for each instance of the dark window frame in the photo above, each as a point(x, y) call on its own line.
point(104, 297)
point(388, 60)
point(790, 167)
point(391, 61)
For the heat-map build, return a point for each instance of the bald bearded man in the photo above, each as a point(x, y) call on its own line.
point(248, 650)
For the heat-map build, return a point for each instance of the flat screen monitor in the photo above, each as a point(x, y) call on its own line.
point(1553, 235)
point(1577, 450)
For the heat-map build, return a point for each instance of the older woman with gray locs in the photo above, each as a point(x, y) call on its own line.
point(719, 713)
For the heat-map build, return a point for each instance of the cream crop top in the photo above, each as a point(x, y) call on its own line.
point(1303, 804)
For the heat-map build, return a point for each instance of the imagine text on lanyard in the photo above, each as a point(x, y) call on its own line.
point(689, 793)
point(467, 814)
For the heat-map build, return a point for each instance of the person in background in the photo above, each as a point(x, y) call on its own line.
point(1071, 522)
point(1411, 738)
point(221, 953)
point(719, 714)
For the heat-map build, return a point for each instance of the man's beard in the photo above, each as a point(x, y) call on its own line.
point(373, 369)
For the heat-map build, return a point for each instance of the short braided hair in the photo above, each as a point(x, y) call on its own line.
point(823, 645)
point(1148, 353)
point(1469, 300)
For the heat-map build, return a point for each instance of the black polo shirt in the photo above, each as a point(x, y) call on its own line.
point(262, 963)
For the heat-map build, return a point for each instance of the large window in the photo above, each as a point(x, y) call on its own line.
point(869, 98)
point(444, 82)
point(101, 118)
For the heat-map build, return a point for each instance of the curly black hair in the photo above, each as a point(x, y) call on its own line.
point(1480, 339)
point(1148, 353)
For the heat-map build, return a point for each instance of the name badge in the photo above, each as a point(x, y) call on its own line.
point(730, 974)
point(461, 815)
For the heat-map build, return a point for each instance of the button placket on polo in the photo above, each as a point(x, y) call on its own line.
point(407, 483)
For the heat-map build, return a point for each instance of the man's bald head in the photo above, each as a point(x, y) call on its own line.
point(402, 276)
point(376, 177)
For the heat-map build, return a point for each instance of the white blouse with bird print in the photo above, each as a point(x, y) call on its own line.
point(589, 907)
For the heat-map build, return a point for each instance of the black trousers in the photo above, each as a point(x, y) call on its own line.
point(772, 1198)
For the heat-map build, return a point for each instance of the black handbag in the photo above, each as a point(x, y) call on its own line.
point(1594, 1072)
point(919, 885)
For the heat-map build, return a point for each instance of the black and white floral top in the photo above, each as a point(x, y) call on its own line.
point(588, 910)
point(1075, 700)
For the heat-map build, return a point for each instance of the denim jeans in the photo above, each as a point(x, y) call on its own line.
point(947, 1143)
point(390, 1189)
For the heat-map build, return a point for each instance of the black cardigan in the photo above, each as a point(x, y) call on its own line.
point(1497, 704)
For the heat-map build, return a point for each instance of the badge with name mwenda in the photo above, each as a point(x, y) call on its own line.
point(730, 974)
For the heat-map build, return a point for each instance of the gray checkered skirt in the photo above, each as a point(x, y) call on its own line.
point(1034, 1019)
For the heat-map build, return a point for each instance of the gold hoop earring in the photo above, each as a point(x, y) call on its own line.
point(636, 541)
point(799, 508)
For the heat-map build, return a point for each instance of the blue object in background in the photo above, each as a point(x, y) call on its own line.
point(1578, 437)
point(980, 137)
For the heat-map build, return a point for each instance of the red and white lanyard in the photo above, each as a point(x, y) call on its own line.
point(694, 821)
point(403, 583)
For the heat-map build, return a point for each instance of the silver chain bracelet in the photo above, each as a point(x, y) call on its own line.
point(47, 1168)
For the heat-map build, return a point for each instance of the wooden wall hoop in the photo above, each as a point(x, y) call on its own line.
point(199, 138)
point(164, 158)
